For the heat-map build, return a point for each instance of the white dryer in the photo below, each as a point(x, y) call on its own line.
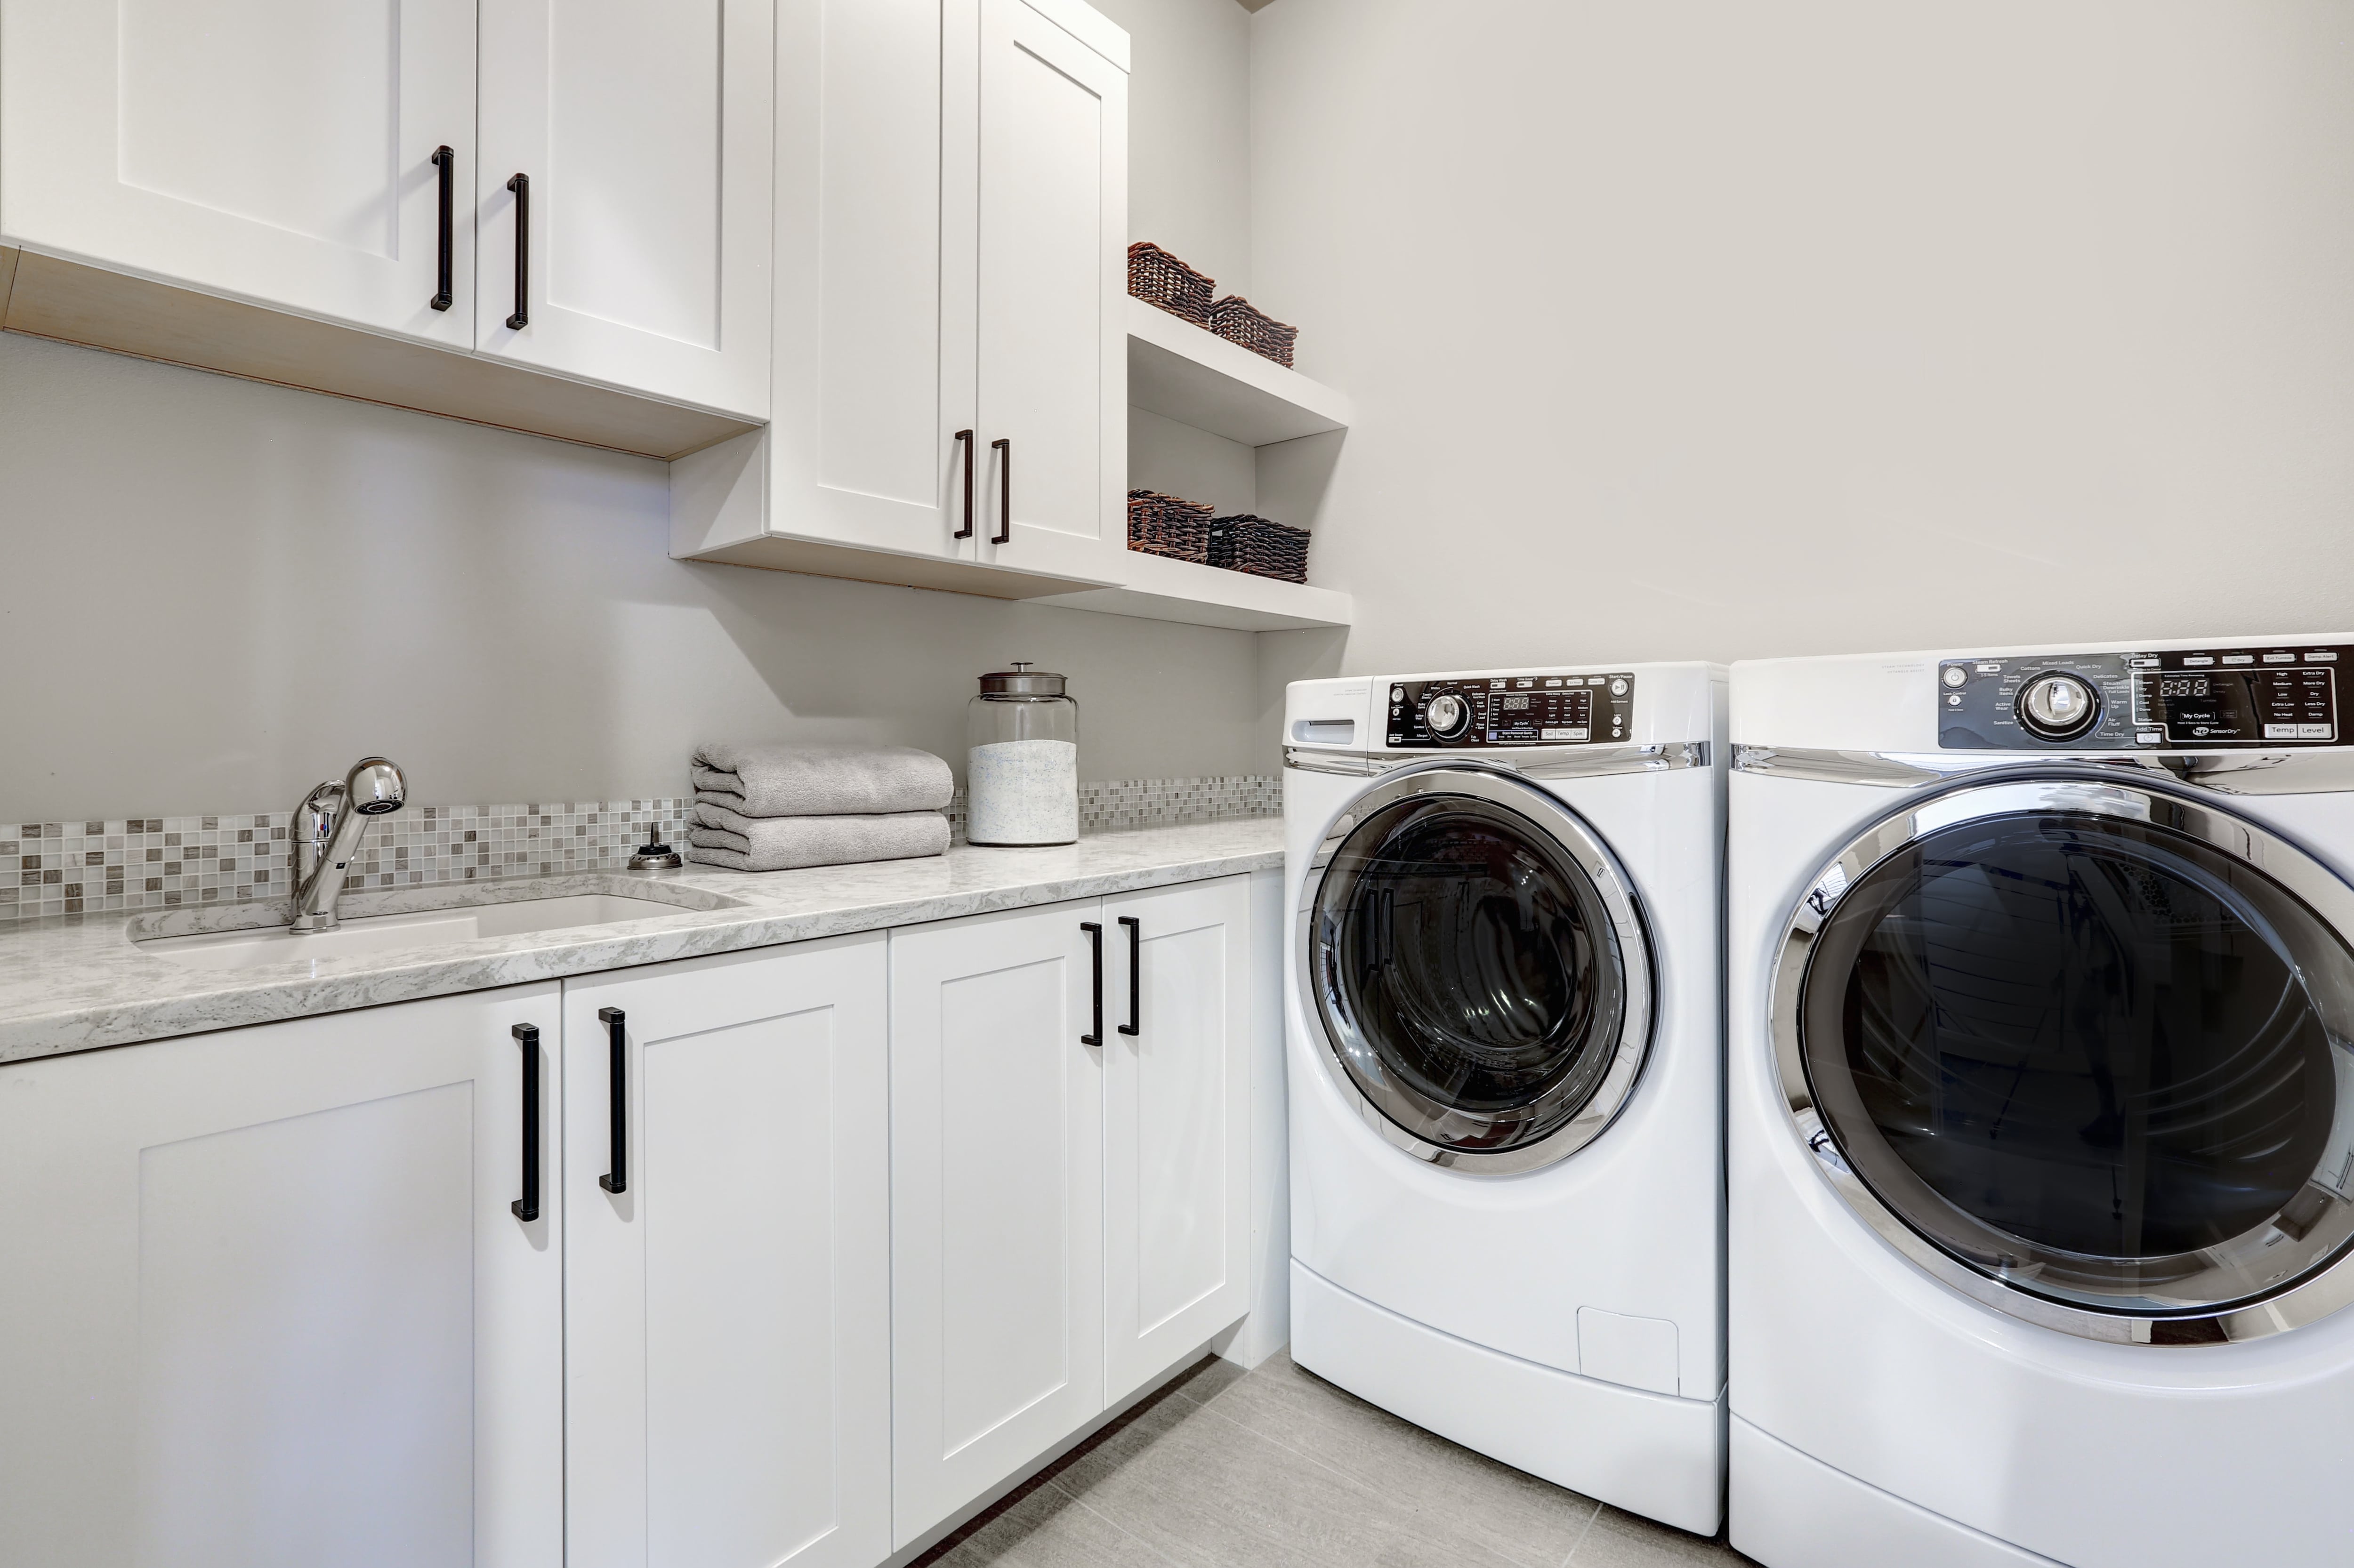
point(1504, 1037)
point(2040, 1106)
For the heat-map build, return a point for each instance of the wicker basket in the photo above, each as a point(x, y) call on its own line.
point(1234, 319)
point(1160, 279)
point(1263, 549)
point(1166, 525)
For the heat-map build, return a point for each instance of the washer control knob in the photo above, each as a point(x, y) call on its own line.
point(2058, 706)
point(1447, 716)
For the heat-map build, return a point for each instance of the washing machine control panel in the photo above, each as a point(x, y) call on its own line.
point(1466, 712)
point(2181, 700)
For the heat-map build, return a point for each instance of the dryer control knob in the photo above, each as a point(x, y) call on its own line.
point(2058, 706)
point(1447, 716)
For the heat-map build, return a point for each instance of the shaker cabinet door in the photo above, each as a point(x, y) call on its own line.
point(274, 150)
point(874, 247)
point(268, 1303)
point(996, 1202)
point(1053, 238)
point(1176, 1126)
point(633, 144)
point(728, 1277)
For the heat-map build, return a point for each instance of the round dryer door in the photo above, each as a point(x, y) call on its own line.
point(2083, 1050)
point(1481, 969)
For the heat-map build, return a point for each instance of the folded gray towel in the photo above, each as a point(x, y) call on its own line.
point(780, 780)
point(722, 837)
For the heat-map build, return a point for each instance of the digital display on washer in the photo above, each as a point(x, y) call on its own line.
point(2187, 699)
point(1512, 710)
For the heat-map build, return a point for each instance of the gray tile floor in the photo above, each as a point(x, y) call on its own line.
point(1278, 1468)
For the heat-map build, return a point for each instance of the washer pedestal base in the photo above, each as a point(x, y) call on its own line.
point(1651, 1454)
point(1792, 1512)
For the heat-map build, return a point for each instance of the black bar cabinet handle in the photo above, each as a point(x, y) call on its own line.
point(521, 185)
point(447, 162)
point(618, 1179)
point(1095, 941)
point(1004, 491)
point(1135, 1024)
point(964, 440)
point(526, 1208)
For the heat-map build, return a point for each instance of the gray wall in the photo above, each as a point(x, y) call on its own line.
point(219, 592)
point(1725, 330)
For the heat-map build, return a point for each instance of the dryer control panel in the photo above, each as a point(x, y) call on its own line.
point(2178, 700)
point(1466, 712)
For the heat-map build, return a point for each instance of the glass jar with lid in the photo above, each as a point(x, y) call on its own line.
point(1022, 759)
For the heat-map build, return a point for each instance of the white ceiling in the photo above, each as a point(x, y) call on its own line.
point(1254, 4)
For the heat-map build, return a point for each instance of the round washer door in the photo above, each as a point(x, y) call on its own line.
point(2083, 1049)
point(1479, 966)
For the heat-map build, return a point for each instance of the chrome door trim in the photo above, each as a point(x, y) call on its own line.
point(2313, 771)
point(1528, 761)
point(1618, 897)
point(2308, 1300)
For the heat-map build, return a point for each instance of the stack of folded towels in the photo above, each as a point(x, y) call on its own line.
point(771, 808)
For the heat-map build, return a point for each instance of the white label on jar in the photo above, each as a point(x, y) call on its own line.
point(1022, 792)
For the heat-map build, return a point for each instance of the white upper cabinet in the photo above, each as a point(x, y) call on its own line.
point(1176, 1126)
point(727, 1272)
point(276, 150)
point(270, 1302)
point(1051, 244)
point(874, 355)
point(950, 242)
point(638, 139)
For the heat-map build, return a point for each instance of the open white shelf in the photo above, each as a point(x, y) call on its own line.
point(1177, 370)
point(1159, 588)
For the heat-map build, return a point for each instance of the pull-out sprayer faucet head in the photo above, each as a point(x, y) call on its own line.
point(328, 826)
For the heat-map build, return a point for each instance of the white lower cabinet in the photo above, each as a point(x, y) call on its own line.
point(1176, 1128)
point(727, 1268)
point(996, 1202)
point(883, 1222)
point(1070, 1173)
point(268, 1303)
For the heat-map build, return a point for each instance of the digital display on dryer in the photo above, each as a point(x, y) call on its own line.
point(2175, 700)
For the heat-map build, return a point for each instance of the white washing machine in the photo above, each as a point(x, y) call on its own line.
point(1502, 1009)
point(2040, 1106)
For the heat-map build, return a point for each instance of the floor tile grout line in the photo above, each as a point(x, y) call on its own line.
point(1156, 1551)
point(1579, 1545)
point(1355, 1485)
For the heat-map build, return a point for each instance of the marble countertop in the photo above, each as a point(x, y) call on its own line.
point(81, 982)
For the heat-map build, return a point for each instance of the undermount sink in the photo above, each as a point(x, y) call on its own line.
point(272, 945)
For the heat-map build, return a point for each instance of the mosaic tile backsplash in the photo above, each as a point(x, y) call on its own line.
point(157, 863)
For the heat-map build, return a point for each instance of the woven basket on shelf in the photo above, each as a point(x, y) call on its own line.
point(1257, 545)
point(1234, 319)
point(1167, 525)
point(1160, 279)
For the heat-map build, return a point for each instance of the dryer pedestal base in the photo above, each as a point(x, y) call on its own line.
point(1650, 1454)
point(1792, 1511)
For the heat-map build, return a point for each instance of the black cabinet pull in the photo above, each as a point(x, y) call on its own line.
point(1095, 941)
point(526, 1208)
point(964, 440)
point(1005, 449)
point(1135, 1024)
point(447, 162)
point(618, 1102)
point(521, 185)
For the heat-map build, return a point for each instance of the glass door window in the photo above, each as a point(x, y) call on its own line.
point(1478, 972)
point(2101, 1059)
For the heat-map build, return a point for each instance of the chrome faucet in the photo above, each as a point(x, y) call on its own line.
point(327, 829)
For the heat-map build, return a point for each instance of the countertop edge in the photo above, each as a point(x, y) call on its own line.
point(101, 1026)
